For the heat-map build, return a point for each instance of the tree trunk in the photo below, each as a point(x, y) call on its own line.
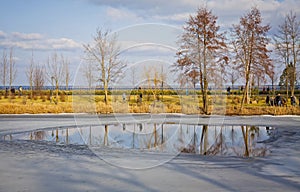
point(246, 92)
point(155, 136)
point(293, 78)
point(203, 141)
point(287, 85)
point(105, 92)
point(105, 141)
point(56, 86)
point(205, 83)
point(205, 101)
point(245, 136)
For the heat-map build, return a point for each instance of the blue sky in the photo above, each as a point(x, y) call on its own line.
point(47, 26)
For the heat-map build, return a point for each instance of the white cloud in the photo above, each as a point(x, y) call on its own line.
point(36, 41)
point(121, 14)
point(27, 36)
point(2, 34)
point(63, 43)
point(177, 11)
point(151, 6)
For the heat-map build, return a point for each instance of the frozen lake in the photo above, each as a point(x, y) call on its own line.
point(149, 153)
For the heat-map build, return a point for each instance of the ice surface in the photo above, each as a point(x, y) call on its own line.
point(44, 166)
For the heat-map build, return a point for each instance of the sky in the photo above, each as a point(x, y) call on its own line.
point(147, 29)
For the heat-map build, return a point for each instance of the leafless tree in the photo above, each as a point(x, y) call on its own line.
point(29, 74)
point(133, 76)
point(38, 77)
point(105, 52)
point(251, 55)
point(12, 68)
point(67, 74)
point(233, 77)
point(54, 71)
point(4, 68)
point(202, 48)
point(89, 74)
point(162, 77)
point(273, 75)
point(287, 46)
point(147, 72)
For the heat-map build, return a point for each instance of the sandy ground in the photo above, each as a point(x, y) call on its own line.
point(44, 166)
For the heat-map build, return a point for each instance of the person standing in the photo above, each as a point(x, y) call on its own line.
point(20, 90)
point(268, 100)
point(278, 100)
point(292, 100)
point(228, 90)
point(124, 97)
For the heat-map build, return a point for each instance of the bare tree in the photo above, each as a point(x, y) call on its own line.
point(67, 74)
point(105, 54)
point(233, 77)
point(147, 72)
point(54, 72)
point(89, 74)
point(162, 76)
point(29, 74)
point(287, 46)
point(133, 76)
point(273, 76)
point(250, 48)
point(38, 77)
point(156, 78)
point(12, 68)
point(201, 48)
point(4, 67)
point(162, 79)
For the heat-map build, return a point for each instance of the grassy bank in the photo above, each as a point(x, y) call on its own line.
point(219, 104)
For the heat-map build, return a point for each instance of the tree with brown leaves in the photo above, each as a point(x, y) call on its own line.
point(251, 56)
point(202, 49)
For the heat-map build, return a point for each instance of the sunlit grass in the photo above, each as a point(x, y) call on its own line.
point(94, 104)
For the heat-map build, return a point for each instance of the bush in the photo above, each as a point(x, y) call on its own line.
point(24, 100)
point(42, 97)
point(62, 97)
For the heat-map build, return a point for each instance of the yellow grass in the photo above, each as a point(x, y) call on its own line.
point(219, 105)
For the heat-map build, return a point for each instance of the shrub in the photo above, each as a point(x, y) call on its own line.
point(13, 96)
point(24, 100)
point(62, 97)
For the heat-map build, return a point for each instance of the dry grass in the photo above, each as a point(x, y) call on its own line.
point(34, 108)
point(221, 105)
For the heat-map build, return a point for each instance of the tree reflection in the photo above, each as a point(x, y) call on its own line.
point(56, 136)
point(39, 135)
point(106, 135)
point(203, 141)
point(245, 136)
point(67, 136)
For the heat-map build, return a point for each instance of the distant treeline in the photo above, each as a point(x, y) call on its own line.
point(48, 90)
point(64, 88)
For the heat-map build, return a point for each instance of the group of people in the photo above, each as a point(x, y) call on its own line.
point(13, 90)
point(280, 101)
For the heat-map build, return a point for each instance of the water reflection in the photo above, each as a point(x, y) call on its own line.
point(167, 137)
